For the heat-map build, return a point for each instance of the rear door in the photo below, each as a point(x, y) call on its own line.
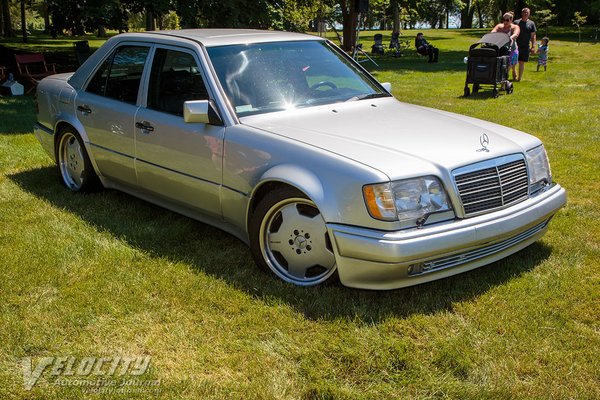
point(107, 107)
point(177, 160)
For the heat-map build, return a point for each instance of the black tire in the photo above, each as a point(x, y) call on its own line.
point(509, 88)
point(73, 162)
point(288, 237)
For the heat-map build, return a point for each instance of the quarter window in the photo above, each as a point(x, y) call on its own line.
point(175, 78)
point(120, 75)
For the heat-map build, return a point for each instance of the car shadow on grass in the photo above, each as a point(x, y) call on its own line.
point(161, 233)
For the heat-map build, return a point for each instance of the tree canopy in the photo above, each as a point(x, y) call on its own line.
point(77, 17)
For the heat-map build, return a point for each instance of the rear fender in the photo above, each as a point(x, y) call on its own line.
point(63, 119)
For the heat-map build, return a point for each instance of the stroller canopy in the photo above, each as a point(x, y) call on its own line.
point(498, 39)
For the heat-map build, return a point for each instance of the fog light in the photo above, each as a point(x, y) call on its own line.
point(415, 269)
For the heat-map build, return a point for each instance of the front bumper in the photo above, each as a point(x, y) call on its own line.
point(371, 259)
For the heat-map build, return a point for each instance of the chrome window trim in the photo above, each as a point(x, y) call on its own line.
point(110, 54)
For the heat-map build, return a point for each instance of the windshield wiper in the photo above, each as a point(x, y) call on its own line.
point(365, 96)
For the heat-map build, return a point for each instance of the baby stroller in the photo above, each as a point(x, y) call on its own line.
point(488, 64)
point(377, 48)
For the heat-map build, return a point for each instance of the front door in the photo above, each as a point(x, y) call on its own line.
point(177, 160)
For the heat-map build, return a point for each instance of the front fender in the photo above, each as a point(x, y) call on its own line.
point(296, 176)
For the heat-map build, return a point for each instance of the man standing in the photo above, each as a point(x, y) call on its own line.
point(526, 37)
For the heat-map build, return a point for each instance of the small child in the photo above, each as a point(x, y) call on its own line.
point(543, 53)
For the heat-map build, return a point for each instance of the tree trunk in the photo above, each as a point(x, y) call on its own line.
point(466, 15)
point(396, 27)
point(6, 21)
point(101, 31)
point(480, 16)
point(150, 21)
point(519, 5)
point(23, 22)
point(349, 18)
point(503, 6)
point(46, 17)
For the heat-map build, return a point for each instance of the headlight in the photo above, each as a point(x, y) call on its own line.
point(540, 175)
point(406, 199)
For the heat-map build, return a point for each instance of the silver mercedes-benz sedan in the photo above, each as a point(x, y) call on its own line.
point(284, 141)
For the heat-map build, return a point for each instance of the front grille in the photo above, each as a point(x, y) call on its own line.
point(492, 187)
point(473, 255)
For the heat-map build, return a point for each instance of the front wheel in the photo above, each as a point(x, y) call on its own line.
point(288, 236)
point(74, 164)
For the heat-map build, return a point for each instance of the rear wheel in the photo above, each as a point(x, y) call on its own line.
point(74, 164)
point(288, 236)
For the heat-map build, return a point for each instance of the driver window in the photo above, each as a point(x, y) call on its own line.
point(174, 79)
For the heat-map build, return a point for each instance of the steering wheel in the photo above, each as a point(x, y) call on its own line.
point(316, 86)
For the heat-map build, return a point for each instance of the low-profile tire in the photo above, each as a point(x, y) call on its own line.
point(74, 165)
point(288, 237)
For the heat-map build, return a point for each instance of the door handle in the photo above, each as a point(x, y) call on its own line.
point(144, 126)
point(84, 109)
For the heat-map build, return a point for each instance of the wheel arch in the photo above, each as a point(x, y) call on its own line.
point(286, 175)
point(65, 122)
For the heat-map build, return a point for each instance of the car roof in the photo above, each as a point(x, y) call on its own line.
point(207, 37)
point(224, 37)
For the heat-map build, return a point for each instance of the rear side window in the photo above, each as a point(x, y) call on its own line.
point(120, 75)
point(175, 78)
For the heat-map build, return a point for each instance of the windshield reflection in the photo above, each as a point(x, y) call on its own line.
point(268, 77)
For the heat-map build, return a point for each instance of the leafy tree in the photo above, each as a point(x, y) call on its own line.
point(23, 22)
point(577, 21)
point(544, 18)
point(293, 15)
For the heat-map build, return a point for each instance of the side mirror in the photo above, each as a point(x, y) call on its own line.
point(387, 86)
point(202, 111)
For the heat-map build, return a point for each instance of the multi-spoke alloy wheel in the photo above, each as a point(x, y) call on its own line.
point(291, 239)
point(74, 164)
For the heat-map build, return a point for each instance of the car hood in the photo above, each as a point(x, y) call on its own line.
point(395, 137)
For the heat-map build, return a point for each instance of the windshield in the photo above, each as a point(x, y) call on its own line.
point(266, 77)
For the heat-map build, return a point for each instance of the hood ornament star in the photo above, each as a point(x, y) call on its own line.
point(484, 140)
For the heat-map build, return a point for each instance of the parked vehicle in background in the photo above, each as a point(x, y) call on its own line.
point(284, 141)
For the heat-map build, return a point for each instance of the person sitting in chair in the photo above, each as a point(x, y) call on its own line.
point(426, 49)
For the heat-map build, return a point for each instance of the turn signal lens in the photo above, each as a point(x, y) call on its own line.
point(380, 201)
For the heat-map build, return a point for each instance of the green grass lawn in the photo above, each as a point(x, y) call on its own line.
point(106, 275)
